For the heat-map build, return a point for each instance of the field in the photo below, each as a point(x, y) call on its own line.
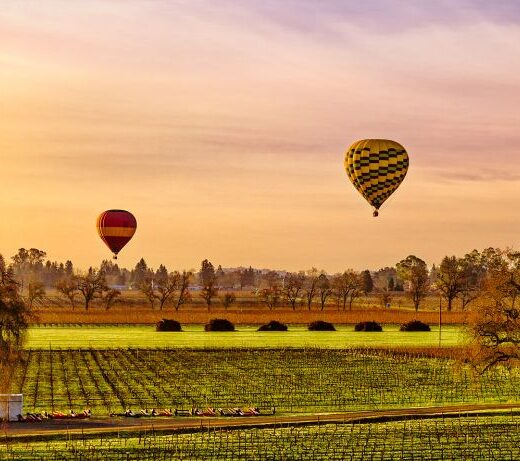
point(142, 336)
point(484, 437)
point(291, 380)
point(239, 316)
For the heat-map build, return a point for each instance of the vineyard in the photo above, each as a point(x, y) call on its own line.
point(291, 380)
point(484, 437)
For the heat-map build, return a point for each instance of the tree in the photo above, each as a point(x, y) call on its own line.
point(450, 279)
point(91, 285)
point(147, 288)
point(347, 287)
point(206, 273)
point(495, 327)
point(271, 296)
point(324, 289)
point(228, 299)
point(385, 296)
point(109, 297)
point(35, 293)
point(166, 287)
point(140, 272)
point(293, 287)
point(14, 320)
point(367, 284)
point(68, 287)
point(183, 288)
point(414, 271)
point(209, 290)
point(311, 280)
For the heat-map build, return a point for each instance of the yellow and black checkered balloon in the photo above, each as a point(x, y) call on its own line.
point(376, 167)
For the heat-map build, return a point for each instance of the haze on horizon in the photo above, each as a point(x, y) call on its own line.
point(222, 126)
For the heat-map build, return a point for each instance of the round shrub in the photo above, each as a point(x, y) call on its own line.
point(320, 325)
point(368, 326)
point(219, 325)
point(273, 325)
point(168, 325)
point(414, 325)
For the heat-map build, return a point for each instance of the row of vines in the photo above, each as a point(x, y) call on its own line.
point(496, 437)
point(291, 380)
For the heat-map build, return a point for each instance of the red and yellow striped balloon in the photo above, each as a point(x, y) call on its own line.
point(116, 228)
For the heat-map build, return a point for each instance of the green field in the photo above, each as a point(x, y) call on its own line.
point(246, 336)
point(292, 380)
point(484, 437)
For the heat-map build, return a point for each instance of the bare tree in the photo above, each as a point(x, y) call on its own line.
point(147, 288)
point(271, 296)
point(385, 296)
point(166, 288)
point(324, 289)
point(183, 288)
point(109, 297)
point(347, 287)
point(310, 286)
point(293, 288)
point(91, 285)
point(68, 287)
point(495, 326)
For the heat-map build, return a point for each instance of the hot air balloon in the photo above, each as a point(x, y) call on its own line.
point(376, 167)
point(116, 228)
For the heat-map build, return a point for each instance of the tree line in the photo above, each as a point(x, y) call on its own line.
point(454, 279)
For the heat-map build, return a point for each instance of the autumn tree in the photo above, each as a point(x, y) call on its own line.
point(495, 326)
point(414, 271)
point(147, 288)
point(109, 296)
point(35, 293)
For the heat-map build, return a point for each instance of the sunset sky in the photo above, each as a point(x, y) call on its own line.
point(222, 126)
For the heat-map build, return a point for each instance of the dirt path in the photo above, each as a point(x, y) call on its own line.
point(107, 426)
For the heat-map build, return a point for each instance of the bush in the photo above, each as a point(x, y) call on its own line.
point(219, 325)
point(168, 325)
point(414, 325)
point(320, 325)
point(368, 326)
point(273, 325)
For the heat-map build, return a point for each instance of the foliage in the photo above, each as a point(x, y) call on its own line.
point(496, 324)
point(415, 325)
point(321, 325)
point(219, 325)
point(368, 326)
point(273, 325)
point(168, 325)
point(414, 271)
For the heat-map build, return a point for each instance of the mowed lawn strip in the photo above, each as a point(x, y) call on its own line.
point(194, 336)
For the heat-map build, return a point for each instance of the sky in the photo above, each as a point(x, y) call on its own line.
point(222, 126)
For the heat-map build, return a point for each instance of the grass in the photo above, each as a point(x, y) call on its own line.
point(143, 336)
point(292, 380)
point(483, 437)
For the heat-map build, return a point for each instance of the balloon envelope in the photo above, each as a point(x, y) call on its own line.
point(116, 228)
point(376, 168)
